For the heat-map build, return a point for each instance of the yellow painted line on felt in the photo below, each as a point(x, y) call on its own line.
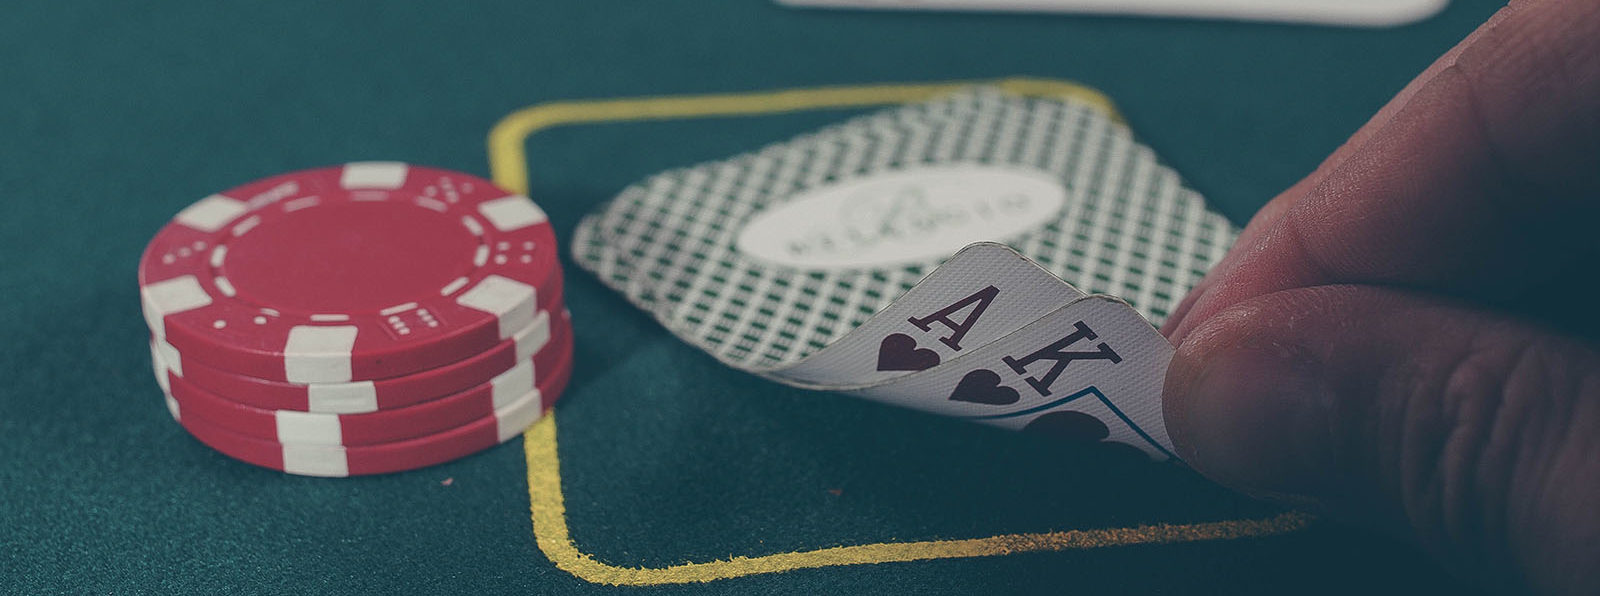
point(509, 167)
point(508, 162)
point(551, 532)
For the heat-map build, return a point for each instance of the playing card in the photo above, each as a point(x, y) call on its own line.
point(801, 262)
point(1094, 356)
point(981, 294)
point(630, 229)
point(1361, 13)
point(1072, 191)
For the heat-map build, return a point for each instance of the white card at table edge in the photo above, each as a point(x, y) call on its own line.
point(1356, 13)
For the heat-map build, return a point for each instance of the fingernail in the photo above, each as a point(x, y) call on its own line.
point(1257, 420)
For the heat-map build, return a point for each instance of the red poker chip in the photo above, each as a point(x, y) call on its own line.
point(428, 417)
point(370, 396)
point(363, 271)
point(506, 423)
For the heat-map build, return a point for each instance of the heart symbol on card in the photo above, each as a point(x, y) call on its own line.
point(899, 351)
point(982, 386)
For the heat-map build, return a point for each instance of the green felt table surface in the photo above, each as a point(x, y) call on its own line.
point(114, 116)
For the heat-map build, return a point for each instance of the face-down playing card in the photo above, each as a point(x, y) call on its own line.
point(865, 209)
point(801, 261)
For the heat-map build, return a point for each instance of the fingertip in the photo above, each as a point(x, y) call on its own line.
point(1247, 409)
point(1170, 327)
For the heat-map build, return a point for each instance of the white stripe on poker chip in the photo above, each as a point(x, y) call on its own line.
point(318, 354)
point(169, 356)
point(431, 204)
point(315, 460)
point(301, 203)
point(397, 309)
point(511, 213)
point(211, 213)
point(172, 408)
point(362, 396)
point(533, 338)
point(224, 286)
point(506, 387)
point(343, 398)
point(179, 294)
point(511, 420)
point(332, 460)
point(511, 302)
point(244, 227)
point(450, 288)
point(308, 427)
point(374, 174)
point(159, 366)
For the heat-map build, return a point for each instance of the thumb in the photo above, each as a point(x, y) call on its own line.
point(1474, 433)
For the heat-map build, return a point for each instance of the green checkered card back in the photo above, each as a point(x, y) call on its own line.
point(764, 258)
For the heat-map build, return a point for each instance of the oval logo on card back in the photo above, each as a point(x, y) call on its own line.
point(899, 217)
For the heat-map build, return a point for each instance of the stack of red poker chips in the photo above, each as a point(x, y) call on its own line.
point(368, 318)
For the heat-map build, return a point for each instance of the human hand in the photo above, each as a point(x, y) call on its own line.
point(1404, 338)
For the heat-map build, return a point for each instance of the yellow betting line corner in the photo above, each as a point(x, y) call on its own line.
point(551, 533)
point(508, 164)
